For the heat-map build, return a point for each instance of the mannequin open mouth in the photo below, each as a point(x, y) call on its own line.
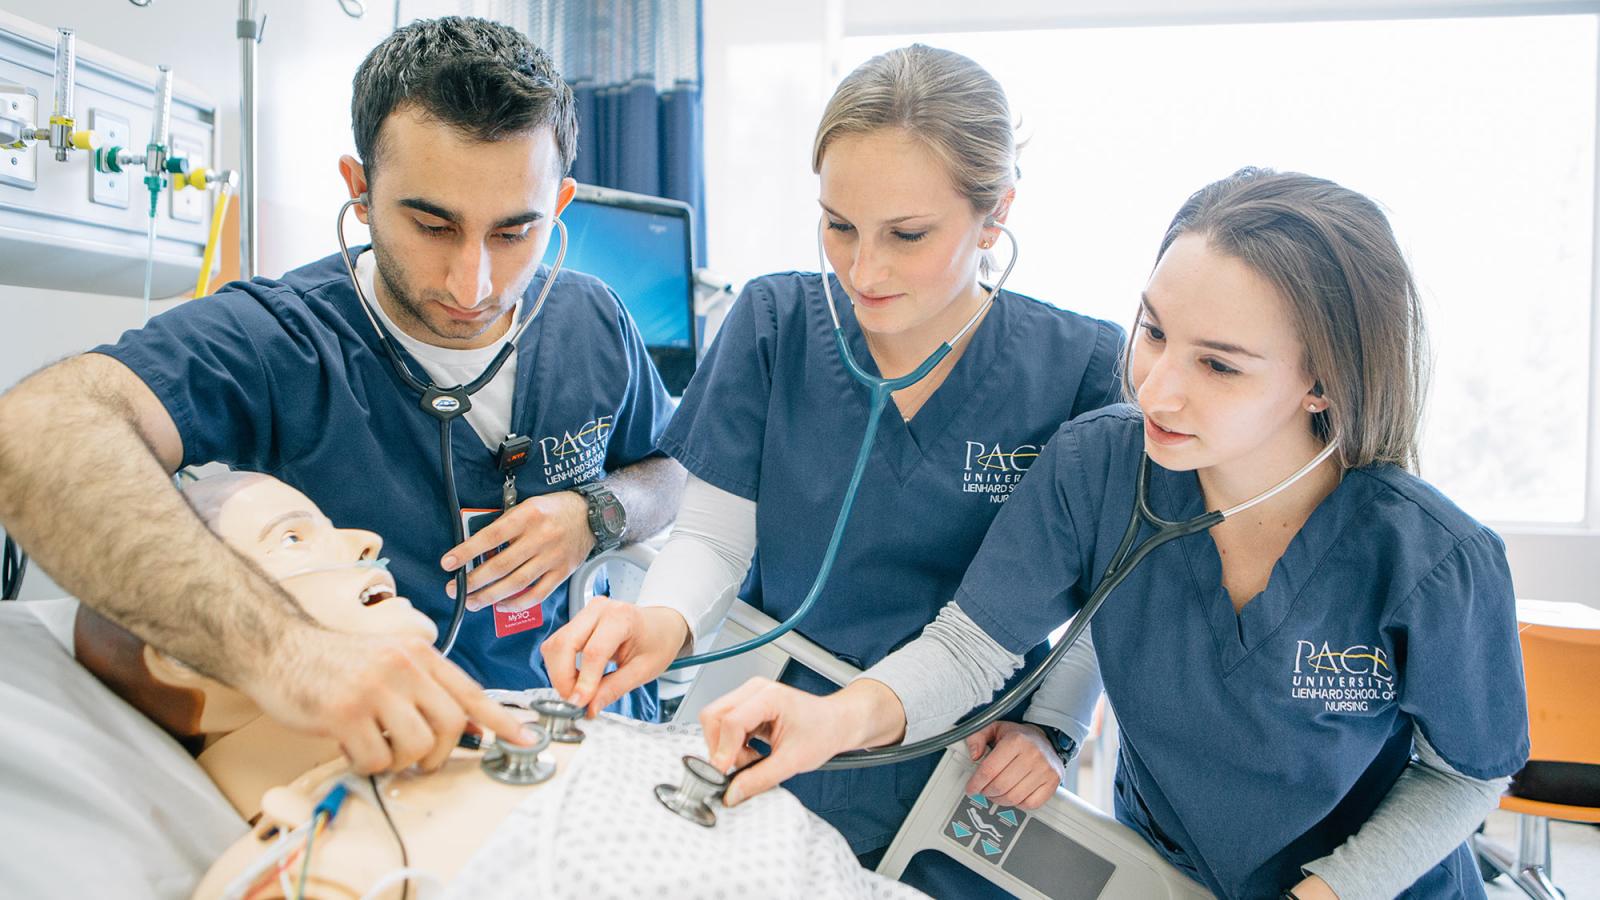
point(378, 591)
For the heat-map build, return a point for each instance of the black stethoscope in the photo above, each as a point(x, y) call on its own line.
point(445, 403)
point(1123, 562)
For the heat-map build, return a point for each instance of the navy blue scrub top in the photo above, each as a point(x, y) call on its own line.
point(773, 416)
point(286, 377)
point(1257, 741)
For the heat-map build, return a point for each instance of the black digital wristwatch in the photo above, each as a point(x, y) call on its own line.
point(607, 519)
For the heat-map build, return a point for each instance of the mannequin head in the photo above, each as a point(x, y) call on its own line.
point(334, 574)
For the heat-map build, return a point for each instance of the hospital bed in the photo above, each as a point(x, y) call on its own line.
point(1065, 850)
point(156, 822)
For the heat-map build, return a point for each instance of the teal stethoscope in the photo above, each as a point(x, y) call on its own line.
point(881, 389)
point(446, 403)
point(1123, 562)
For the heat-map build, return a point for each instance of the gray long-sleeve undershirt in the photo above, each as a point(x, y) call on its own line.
point(1431, 808)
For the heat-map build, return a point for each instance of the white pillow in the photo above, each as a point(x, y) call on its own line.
point(97, 800)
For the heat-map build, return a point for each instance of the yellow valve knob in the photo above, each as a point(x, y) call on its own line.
point(194, 178)
point(85, 140)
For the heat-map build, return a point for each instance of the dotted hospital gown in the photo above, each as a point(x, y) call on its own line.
point(597, 831)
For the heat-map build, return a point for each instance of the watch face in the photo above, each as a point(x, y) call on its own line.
point(612, 518)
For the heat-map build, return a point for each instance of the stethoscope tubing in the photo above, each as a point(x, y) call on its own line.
point(882, 390)
point(1123, 562)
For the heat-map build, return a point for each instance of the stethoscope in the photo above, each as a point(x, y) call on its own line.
point(881, 390)
point(1123, 562)
point(446, 403)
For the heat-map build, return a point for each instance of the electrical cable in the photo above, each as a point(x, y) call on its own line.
point(405, 859)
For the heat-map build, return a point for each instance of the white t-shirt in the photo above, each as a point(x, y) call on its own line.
point(490, 415)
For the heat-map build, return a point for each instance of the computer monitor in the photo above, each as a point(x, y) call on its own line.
point(643, 247)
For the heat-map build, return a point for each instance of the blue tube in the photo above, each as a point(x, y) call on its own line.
point(882, 390)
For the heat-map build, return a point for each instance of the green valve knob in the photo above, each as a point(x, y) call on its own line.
point(105, 159)
point(177, 165)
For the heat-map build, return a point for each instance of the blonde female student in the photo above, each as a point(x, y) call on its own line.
point(917, 167)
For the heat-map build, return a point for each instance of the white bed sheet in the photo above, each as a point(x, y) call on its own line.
point(597, 832)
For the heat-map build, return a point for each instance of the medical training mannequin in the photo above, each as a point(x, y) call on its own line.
point(265, 769)
point(335, 576)
point(275, 776)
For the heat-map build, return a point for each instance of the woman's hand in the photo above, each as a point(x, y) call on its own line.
point(1021, 769)
point(803, 730)
point(642, 641)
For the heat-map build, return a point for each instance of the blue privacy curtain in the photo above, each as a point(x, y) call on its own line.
point(634, 66)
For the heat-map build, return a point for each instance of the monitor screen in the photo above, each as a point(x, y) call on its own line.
point(641, 247)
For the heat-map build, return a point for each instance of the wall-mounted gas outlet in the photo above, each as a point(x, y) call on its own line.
point(189, 204)
point(110, 188)
point(19, 167)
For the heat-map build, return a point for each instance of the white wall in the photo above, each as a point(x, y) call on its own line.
point(921, 16)
point(761, 198)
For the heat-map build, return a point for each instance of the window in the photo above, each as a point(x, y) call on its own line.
point(1476, 134)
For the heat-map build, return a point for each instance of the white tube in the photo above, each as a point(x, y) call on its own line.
point(410, 873)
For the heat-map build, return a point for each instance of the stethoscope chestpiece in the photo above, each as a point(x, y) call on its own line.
point(702, 783)
point(557, 717)
point(519, 765)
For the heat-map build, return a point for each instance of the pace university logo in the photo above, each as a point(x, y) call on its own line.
point(1356, 678)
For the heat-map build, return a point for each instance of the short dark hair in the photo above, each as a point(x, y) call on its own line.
point(482, 77)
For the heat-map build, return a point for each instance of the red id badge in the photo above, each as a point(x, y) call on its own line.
point(505, 623)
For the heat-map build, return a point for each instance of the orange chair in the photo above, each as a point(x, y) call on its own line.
point(1561, 663)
